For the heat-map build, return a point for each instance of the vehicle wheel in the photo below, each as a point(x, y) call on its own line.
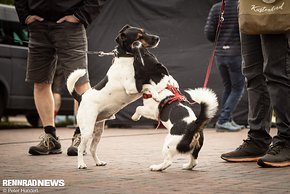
point(1, 106)
point(33, 119)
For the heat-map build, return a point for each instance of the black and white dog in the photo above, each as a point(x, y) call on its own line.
point(163, 101)
point(122, 85)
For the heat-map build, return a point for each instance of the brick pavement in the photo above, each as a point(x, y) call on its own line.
point(129, 152)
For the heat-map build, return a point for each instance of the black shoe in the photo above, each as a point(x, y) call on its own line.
point(277, 156)
point(247, 152)
point(48, 145)
point(73, 149)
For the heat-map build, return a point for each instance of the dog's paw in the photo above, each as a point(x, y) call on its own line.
point(155, 168)
point(187, 167)
point(190, 165)
point(101, 163)
point(82, 166)
point(135, 117)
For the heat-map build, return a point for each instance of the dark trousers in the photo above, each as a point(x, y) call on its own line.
point(266, 66)
point(233, 81)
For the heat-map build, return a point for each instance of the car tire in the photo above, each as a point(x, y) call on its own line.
point(33, 119)
point(1, 106)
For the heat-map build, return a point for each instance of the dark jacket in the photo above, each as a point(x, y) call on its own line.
point(229, 38)
point(53, 10)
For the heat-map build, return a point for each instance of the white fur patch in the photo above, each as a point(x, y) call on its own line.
point(207, 96)
point(73, 78)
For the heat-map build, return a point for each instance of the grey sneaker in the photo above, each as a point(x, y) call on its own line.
point(247, 152)
point(48, 145)
point(73, 149)
point(227, 126)
point(237, 125)
point(277, 156)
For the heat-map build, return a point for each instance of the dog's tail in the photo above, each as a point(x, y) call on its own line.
point(209, 105)
point(71, 81)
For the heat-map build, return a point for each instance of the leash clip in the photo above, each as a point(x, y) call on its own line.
point(222, 18)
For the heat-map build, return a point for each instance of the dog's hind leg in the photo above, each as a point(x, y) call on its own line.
point(86, 123)
point(99, 128)
point(194, 155)
point(191, 164)
point(81, 149)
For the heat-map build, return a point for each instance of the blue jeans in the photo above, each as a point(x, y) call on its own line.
point(233, 81)
point(266, 66)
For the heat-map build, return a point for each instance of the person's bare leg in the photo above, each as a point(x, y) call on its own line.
point(44, 103)
point(57, 102)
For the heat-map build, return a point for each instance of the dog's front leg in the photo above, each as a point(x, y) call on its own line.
point(173, 82)
point(99, 128)
point(136, 116)
point(145, 111)
point(152, 90)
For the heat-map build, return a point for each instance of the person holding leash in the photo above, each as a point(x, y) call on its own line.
point(56, 29)
point(228, 60)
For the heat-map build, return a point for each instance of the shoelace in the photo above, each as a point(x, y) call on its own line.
point(274, 149)
point(245, 144)
point(46, 140)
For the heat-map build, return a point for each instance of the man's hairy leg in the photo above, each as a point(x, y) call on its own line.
point(44, 102)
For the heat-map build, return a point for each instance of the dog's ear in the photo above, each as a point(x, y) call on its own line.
point(120, 39)
point(124, 28)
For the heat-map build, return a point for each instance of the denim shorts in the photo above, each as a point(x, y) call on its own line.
point(50, 44)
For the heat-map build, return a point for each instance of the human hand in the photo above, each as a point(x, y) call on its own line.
point(32, 18)
point(68, 18)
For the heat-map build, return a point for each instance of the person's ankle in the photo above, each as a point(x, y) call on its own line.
point(50, 130)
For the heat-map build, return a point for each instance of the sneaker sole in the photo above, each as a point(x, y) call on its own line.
point(34, 152)
point(271, 164)
point(241, 159)
point(227, 130)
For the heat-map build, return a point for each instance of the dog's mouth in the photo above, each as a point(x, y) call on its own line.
point(149, 41)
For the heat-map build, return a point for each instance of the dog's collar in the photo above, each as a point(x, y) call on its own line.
point(177, 96)
point(119, 52)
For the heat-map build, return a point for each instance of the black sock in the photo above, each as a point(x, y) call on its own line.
point(50, 129)
point(77, 131)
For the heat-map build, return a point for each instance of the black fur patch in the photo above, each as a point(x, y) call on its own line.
point(149, 69)
point(193, 128)
point(101, 84)
point(175, 114)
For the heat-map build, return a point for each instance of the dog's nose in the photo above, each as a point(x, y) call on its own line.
point(155, 38)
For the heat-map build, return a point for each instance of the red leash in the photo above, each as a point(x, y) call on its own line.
point(215, 44)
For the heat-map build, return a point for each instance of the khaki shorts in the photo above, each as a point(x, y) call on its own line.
point(51, 44)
